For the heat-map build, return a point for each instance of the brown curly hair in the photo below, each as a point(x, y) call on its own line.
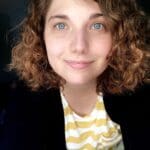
point(128, 65)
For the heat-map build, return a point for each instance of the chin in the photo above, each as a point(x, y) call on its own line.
point(79, 82)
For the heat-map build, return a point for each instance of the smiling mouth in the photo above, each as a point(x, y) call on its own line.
point(78, 64)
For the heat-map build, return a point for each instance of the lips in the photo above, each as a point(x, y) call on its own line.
point(78, 64)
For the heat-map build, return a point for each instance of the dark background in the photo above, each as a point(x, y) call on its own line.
point(11, 14)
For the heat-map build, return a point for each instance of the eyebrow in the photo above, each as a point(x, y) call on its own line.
point(96, 15)
point(61, 16)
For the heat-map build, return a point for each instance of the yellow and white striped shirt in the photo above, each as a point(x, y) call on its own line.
point(93, 132)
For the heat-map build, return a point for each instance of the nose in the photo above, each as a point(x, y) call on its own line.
point(80, 42)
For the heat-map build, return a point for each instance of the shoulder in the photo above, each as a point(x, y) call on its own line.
point(131, 111)
point(25, 112)
point(129, 104)
point(18, 99)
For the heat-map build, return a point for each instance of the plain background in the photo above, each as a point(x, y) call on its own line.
point(11, 14)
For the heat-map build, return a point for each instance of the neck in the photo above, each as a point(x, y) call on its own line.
point(81, 99)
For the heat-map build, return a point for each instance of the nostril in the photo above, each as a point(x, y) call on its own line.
point(80, 43)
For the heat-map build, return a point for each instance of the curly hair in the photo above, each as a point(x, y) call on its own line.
point(128, 65)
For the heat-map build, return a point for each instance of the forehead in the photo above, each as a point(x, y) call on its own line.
point(73, 6)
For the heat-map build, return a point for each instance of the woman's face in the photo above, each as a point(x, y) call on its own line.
point(77, 40)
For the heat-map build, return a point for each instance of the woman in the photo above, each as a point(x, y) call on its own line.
point(82, 67)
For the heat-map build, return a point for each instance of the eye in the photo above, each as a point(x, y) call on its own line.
point(60, 26)
point(97, 26)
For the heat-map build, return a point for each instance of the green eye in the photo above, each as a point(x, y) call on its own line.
point(60, 26)
point(97, 26)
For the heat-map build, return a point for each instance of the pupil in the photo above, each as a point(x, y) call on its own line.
point(97, 26)
point(61, 26)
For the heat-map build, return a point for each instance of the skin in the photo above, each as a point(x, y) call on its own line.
point(78, 43)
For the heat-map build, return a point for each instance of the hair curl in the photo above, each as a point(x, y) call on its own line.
point(128, 65)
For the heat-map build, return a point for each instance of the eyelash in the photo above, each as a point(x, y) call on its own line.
point(58, 26)
point(94, 26)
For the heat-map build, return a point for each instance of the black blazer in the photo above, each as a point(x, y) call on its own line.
point(35, 120)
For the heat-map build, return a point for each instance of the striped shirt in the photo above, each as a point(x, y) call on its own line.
point(92, 132)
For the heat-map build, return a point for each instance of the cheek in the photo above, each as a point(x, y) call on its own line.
point(102, 44)
point(53, 47)
point(103, 48)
